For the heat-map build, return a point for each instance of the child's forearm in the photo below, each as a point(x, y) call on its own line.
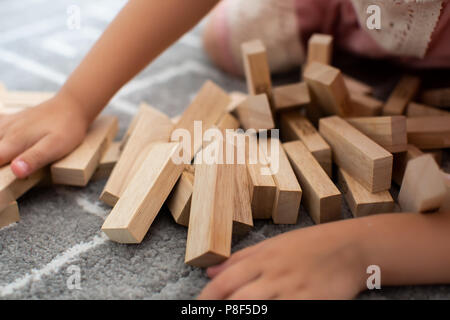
point(140, 32)
point(408, 248)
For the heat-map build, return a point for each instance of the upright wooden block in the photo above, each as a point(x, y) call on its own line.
point(108, 161)
point(320, 49)
point(11, 187)
point(289, 193)
point(141, 201)
point(242, 214)
point(437, 97)
point(403, 93)
point(228, 121)
point(401, 160)
point(296, 127)
point(365, 160)
point(421, 110)
point(211, 218)
point(77, 168)
point(365, 106)
point(179, 201)
point(152, 126)
point(445, 206)
point(321, 198)
point(389, 132)
point(208, 106)
point(142, 109)
point(423, 188)
point(291, 96)
point(256, 66)
point(362, 202)
point(9, 215)
point(327, 88)
point(23, 99)
point(255, 113)
point(429, 132)
point(357, 87)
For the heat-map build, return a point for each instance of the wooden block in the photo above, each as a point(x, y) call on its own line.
point(255, 113)
point(421, 110)
point(437, 155)
point(141, 201)
point(236, 99)
point(179, 201)
point(211, 218)
point(142, 109)
point(228, 121)
point(176, 119)
point(11, 187)
point(320, 49)
point(77, 168)
point(108, 161)
point(437, 97)
point(321, 198)
point(423, 188)
point(327, 89)
point(262, 186)
point(291, 96)
point(242, 214)
point(365, 160)
point(403, 93)
point(357, 87)
point(365, 106)
point(445, 206)
point(362, 202)
point(256, 68)
point(296, 127)
point(429, 132)
point(389, 132)
point(24, 99)
point(152, 126)
point(401, 160)
point(289, 194)
point(9, 215)
point(208, 106)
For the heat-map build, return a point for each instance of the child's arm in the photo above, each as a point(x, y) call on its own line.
point(141, 31)
point(329, 261)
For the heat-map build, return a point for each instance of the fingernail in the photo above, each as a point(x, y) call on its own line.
point(20, 168)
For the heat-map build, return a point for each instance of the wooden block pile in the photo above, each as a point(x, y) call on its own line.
point(333, 133)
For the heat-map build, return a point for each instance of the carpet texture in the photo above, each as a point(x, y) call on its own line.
point(59, 229)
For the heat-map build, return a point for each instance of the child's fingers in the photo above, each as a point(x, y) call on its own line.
point(43, 152)
point(230, 280)
point(10, 148)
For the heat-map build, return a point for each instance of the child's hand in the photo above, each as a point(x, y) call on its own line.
point(38, 136)
point(311, 263)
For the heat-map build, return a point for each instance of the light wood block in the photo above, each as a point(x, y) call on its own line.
point(141, 201)
point(389, 132)
point(403, 93)
point(208, 106)
point(142, 109)
point(236, 99)
point(437, 155)
point(24, 99)
point(77, 168)
point(437, 97)
point(242, 214)
point(291, 96)
point(423, 188)
point(362, 202)
point(228, 121)
point(357, 87)
point(256, 66)
point(153, 126)
point(429, 132)
point(320, 49)
point(9, 215)
point(401, 160)
point(445, 206)
point(327, 89)
point(365, 106)
point(369, 163)
point(255, 113)
point(12, 188)
point(289, 193)
point(321, 198)
point(179, 201)
point(211, 218)
point(108, 161)
point(421, 110)
point(294, 126)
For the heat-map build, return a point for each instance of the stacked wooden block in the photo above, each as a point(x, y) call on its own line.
point(337, 140)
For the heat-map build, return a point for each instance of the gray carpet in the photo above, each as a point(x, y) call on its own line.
point(60, 226)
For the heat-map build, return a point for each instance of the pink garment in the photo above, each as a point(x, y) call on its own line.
point(339, 18)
